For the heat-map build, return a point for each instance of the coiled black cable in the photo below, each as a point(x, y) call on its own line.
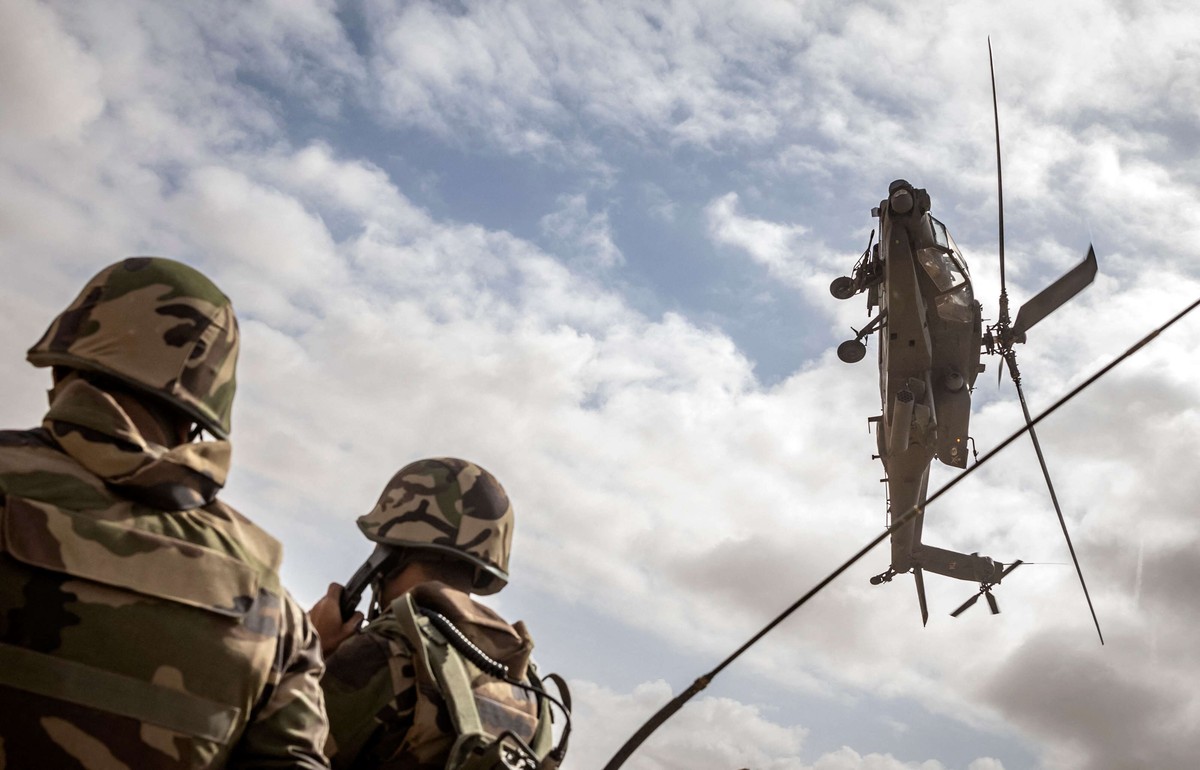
point(465, 646)
point(469, 650)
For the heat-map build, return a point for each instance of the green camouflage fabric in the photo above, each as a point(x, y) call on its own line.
point(142, 622)
point(157, 325)
point(386, 712)
point(451, 506)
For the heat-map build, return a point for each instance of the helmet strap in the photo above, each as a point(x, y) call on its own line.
point(373, 609)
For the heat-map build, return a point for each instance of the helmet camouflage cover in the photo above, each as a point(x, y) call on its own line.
point(450, 506)
point(157, 325)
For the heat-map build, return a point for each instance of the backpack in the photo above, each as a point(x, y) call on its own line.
point(444, 658)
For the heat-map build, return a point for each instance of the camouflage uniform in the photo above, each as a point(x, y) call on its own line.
point(385, 708)
point(142, 622)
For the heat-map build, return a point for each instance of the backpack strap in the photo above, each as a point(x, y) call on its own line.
point(442, 666)
point(543, 738)
point(551, 756)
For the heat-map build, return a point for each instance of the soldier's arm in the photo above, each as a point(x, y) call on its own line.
point(370, 695)
point(289, 727)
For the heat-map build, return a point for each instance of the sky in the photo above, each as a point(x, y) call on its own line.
point(587, 245)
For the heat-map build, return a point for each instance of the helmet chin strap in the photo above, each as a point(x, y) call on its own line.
point(375, 606)
point(381, 578)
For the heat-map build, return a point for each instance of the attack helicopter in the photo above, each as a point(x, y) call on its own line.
point(921, 303)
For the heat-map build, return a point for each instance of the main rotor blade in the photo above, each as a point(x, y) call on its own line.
point(1037, 447)
point(920, 578)
point(999, 189)
point(1056, 294)
point(992, 605)
point(965, 606)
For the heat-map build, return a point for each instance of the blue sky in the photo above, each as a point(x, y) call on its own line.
point(588, 245)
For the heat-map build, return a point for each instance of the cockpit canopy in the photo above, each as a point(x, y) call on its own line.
point(943, 262)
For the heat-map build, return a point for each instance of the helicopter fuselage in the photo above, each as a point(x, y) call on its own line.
point(930, 331)
point(928, 354)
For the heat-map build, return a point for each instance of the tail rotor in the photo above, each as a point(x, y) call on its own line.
point(985, 590)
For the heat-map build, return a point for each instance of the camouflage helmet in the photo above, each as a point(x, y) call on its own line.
point(157, 325)
point(449, 506)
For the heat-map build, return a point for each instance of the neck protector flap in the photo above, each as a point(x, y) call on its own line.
point(92, 428)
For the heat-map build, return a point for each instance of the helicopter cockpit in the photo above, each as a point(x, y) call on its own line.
point(944, 264)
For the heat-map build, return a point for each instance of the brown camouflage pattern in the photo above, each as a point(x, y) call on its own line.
point(158, 325)
point(384, 711)
point(448, 505)
point(97, 577)
point(81, 415)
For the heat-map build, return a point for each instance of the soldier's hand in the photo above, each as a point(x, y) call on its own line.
point(326, 617)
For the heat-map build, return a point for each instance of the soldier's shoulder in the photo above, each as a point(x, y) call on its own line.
point(32, 465)
point(381, 646)
point(254, 545)
point(358, 660)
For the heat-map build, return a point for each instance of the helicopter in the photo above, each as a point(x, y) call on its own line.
point(931, 341)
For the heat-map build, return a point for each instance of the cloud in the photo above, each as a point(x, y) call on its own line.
point(708, 732)
point(48, 80)
point(792, 254)
point(573, 230)
point(777, 246)
point(523, 76)
point(301, 48)
point(1135, 723)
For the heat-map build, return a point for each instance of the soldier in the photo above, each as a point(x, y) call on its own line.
point(406, 692)
point(142, 621)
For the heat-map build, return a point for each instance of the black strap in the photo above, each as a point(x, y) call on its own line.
point(114, 693)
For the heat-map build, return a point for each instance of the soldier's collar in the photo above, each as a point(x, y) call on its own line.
point(92, 428)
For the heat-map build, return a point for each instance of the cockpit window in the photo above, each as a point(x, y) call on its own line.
point(940, 236)
point(941, 266)
point(944, 264)
point(955, 254)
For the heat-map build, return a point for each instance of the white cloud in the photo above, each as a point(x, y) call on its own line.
point(48, 80)
point(300, 47)
point(708, 732)
point(779, 247)
point(523, 75)
point(574, 230)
